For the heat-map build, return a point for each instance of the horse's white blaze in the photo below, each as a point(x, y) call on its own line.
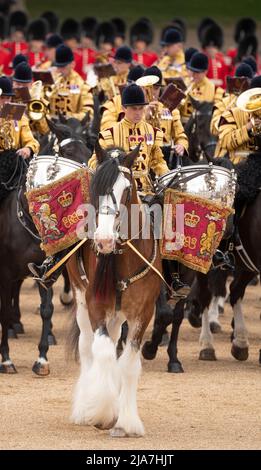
point(213, 312)
point(85, 353)
point(240, 331)
point(130, 368)
point(105, 229)
point(101, 385)
point(206, 338)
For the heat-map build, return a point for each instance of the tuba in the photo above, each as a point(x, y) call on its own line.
point(36, 107)
point(250, 102)
point(147, 83)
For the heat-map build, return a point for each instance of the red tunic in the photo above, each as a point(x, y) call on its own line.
point(146, 58)
point(35, 58)
point(217, 70)
point(83, 58)
point(5, 61)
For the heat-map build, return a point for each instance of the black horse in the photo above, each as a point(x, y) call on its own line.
point(202, 143)
point(21, 245)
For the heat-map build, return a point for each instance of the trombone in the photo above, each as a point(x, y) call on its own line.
point(147, 83)
point(36, 107)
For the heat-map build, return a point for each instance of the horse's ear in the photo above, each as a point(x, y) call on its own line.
point(195, 103)
point(130, 158)
point(62, 118)
point(51, 125)
point(99, 152)
point(85, 119)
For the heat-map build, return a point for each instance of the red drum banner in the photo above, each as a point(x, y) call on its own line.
point(203, 226)
point(54, 210)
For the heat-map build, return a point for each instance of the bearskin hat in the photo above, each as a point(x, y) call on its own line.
point(247, 47)
point(89, 26)
point(52, 20)
point(70, 29)
point(105, 33)
point(3, 29)
point(18, 21)
point(141, 31)
point(37, 30)
point(120, 27)
point(212, 36)
point(204, 23)
point(244, 27)
point(179, 23)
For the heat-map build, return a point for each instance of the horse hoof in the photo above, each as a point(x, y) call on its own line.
point(215, 327)
point(221, 310)
point(119, 432)
point(194, 320)
point(105, 427)
point(66, 299)
point(19, 328)
point(241, 354)
point(8, 369)
point(207, 354)
point(41, 369)
point(175, 367)
point(12, 334)
point(149, 351)
point(52, 340)
point(165, 339)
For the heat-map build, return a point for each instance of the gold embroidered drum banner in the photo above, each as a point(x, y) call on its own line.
point(193, 240)
point(54, 209)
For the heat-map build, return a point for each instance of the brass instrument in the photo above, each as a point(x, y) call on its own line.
point(250, 102)
point(147, 83)
point(36, 106)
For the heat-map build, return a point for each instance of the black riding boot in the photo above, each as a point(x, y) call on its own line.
point(40, 271)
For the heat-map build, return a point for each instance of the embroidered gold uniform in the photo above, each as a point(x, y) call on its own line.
point(111, 112)
point(201, 91)
point(127, 135)
point(220, 107)
point(234, 137)
point(110, 86)
point(16, 135)
point(71, 96)
point(173, 67)
point(171, 127)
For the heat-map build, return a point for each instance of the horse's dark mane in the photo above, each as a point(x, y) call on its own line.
point(105, 176)
point(12, 170)
point(249, 178)
point(104, 286)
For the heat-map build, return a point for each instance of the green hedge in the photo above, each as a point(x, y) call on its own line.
point(159, 11)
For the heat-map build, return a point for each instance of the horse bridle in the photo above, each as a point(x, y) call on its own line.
point(126, 195)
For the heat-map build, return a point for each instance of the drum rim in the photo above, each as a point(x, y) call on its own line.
point(192, 168)
point(58, 160)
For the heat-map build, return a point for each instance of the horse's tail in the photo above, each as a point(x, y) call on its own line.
point(104, 286)
point(72, 343)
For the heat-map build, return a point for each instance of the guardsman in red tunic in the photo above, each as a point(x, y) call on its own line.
point(105, 41)
point(211, 42)
point(16, 42)
point(244, 27)
point(52, 21)
point(71, 34)
point(89, 26)
point(141, 36)
point(36, 33)
point(87, 52)
point(5, 56)
point(120, 27)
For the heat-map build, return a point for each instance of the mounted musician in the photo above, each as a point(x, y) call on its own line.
point(15, 135)
point(172, 63)
point(239, 127)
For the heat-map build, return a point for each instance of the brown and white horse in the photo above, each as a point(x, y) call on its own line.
point(120, 286)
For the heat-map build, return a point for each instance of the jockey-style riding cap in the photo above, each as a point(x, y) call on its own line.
point(23, 73)
point(244, 70)
point(153, 70)
point(53, 41)
point(6, 86)
point(133, 95)
point(18, 58)
point(135, 73)
point(123, 54)
point(63, 56)
point(198, 62)
point(171, 36)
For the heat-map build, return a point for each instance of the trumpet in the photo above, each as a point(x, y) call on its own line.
point(36, 107)
point(250, 102)
point(147, 83)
